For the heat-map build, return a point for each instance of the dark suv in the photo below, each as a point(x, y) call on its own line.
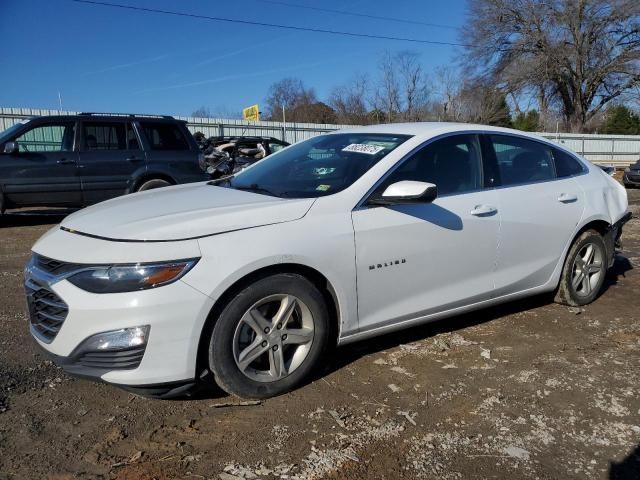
point(78, 160)
point(631, 177)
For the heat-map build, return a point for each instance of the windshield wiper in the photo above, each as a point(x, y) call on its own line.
point(254, 187)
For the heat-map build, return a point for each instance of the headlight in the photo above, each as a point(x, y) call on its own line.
point(129, 278)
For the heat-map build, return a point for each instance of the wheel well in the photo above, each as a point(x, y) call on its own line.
point(314, 276)
point(599, 226)
point(152, 176)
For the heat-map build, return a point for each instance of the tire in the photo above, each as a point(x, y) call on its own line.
point(153, 183)
point(250, 355)
point(588, 252)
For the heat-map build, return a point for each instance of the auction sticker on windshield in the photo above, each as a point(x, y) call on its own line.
point(363, 148)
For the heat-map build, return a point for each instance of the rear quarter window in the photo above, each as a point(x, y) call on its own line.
point(566, 165)
point(164, 136)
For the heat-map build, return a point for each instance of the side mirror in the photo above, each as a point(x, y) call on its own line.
point(10, 148)
point(407, 191)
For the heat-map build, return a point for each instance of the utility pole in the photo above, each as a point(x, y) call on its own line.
point(59, 102)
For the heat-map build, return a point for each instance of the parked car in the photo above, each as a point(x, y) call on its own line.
point(608, 169)
point(78, 160)
point(631, 177)
point(335, 239)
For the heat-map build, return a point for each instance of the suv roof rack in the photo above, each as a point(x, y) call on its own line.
point(130, 115)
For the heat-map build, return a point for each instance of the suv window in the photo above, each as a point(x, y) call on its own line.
point(453, 164)
point(521, 160)
point(164, 136)
point(55, 137)
point(566, 165)
point(104, 136)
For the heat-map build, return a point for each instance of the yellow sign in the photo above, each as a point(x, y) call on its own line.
point(251, 113)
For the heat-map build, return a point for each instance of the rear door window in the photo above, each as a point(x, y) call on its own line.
point(164, 136)
point(104, 136)
point(521, 160)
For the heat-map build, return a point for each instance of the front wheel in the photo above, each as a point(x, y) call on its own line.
point(269, 338)
point(584, 270)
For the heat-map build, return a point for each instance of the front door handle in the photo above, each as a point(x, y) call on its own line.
point(64, 161)
point(133, 158)
point(484, 210)
point(567, 198)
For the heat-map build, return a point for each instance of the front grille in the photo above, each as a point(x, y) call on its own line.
point(120, 360)
point(47, 311)
point(634, 177)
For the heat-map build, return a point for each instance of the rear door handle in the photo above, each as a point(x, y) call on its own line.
point(64, 161)
point(134, 159)
point(567, 198)
point(484, 210)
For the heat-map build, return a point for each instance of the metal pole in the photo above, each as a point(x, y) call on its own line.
point(284, 125)
point(59, 102)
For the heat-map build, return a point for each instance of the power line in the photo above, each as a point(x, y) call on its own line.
point(357, 14)
point(264, 24)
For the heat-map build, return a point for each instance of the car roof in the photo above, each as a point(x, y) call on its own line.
point(107, 116)
point(431, 129)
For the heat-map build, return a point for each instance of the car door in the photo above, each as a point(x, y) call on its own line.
point(171, 151)
point(417, 259)
point(539, 211)
point(110, 159)
point(44, 170)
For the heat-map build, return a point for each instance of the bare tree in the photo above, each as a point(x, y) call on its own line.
point(202, 112)
point(350, 101)
point(413, 85)
point(288, 93)
point(448, 86)
point(576, 54)
point(387, 95)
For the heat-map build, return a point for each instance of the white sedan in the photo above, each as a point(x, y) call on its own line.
point(335, 239)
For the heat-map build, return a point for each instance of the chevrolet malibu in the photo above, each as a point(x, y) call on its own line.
point(341, 237)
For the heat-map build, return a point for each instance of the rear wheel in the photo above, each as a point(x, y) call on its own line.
point(269, 338)
point(584, 270)
point(153, 183)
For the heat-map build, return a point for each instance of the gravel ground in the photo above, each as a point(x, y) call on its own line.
point(526, 390)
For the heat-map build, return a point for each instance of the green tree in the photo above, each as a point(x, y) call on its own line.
point(621, 120)
point(528, 122)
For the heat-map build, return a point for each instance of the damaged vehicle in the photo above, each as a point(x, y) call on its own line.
point(250, 280)
point(225, 156)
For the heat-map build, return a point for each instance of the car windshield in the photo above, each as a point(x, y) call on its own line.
point(316, 167)
point(6, 134)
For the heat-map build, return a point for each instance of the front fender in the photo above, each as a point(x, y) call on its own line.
point(229, 257)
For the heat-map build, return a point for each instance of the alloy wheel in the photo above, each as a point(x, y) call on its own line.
point(587, 269)
point(273, 338)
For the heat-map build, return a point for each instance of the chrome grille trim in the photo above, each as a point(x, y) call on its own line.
point(47, 311)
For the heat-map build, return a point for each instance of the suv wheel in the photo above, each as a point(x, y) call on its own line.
point(584, 270)
point(269, 337)
point(153, 183)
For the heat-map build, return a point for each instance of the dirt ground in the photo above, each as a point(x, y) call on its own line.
point(527, 390)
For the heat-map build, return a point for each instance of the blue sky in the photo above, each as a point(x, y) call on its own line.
point(112, 60)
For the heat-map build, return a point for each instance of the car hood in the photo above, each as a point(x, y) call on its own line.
point(183, 212)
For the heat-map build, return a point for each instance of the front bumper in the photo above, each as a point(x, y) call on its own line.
point(175, 313)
